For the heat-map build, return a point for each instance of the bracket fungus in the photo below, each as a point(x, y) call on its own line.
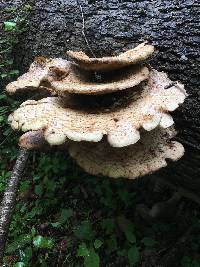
point(61, 77)
point(37, 74)
point(67, 118)
point(34, 140)
point(83, 82)
point(84, 113)
point(144, 157)
point(130, 57)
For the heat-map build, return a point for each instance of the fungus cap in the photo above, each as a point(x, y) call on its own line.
point(130, 57)
point(61, 77)
point(145, 157)
point(65, 118)
point(37, 73)
point(83, 82)
point(34, 140)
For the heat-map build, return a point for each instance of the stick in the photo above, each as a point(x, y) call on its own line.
point(9, 199)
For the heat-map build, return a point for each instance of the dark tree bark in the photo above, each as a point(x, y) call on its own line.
point(9, 199)
point(116, 25)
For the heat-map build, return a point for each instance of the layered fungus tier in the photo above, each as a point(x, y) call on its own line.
point(112, 114)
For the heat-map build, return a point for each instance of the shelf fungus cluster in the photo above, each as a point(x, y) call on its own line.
point(110, 113)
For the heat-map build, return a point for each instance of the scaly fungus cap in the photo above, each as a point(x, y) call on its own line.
point(38, 74)
point(61, 77)
point(130, 57)
point(145, 157)
point(83, 82)
point(66, 118)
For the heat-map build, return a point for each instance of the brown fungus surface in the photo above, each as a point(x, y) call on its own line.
point(83, 82)
point(61, 77)
point(65, 118)
point(38, 74)
point(34, 140)
point(145, 157)
point(130, 57)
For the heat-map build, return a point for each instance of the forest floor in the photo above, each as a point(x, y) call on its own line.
point(65, 217)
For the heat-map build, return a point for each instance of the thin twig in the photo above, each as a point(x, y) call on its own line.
point(83, 29)
point(9, 199)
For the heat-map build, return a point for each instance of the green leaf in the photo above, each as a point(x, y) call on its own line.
point(25, 185)
point(9, 61)
point(133, 255)
point(112, 244)
point(85, 231)
point(26, 255)
point(19, 242)
point(33, 231)
point(4, 75)
point(56, 224)
point(43, 242)
point(19, 264)
point(127, 227)
point(148, 242)
point(97, 243)
point(2, 97)
point(14, 72)
point(2, 118)
point(108, 225)
point(38, 190)
point(130, 236)
point(65, 215)
point(83, 251)
point(92, 260)
point(9, 25)
point(122, 253)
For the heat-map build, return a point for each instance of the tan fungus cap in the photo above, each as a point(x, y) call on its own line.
point(61, 77)
point(145, 157)
point(60, 119)
point(82, 82)
point(34, 140)
point(130, 57)
point(37, 74)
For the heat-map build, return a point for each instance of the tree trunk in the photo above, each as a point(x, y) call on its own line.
point(112, 26)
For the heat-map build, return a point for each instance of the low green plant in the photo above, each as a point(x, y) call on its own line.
point(89, 254)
